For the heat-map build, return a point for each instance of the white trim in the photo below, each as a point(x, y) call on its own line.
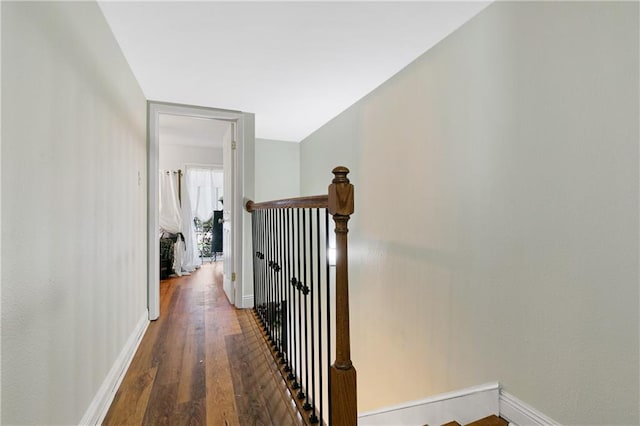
point(102, 400)
point(247, 301)
point(238, 192)
point(520, 413)
point(215, 166)
point(153, 220)
point(464, 406)
point(1, 212)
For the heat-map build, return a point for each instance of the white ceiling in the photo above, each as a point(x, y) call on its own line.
point(296, 65)
point(191, 131)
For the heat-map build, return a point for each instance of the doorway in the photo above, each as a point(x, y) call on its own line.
point(205, 189)
point(233, 216)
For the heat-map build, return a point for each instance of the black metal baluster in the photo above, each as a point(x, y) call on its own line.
point(279, 269)
point(305, 292)
point(285, 292)
point(319, 293)
point(276, 279)
point(253, 246)
point(258, 296)
point(298, 372)
point(328, 278)
point(272, 283)
point(262, 267)
point(281, 301)
point(311, 392)
point(265, 268)
point(301, 284)
point(256, 269)
point(270, 276)
point(291, 292)
point(258, 301)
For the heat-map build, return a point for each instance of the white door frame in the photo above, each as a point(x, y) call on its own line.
point(154, 109)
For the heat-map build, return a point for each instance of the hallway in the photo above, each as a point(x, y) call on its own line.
point(202, 362)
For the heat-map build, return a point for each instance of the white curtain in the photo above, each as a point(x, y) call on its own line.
point(190, 261)
point(205, 189)
point(171, 215)
point(200, 197)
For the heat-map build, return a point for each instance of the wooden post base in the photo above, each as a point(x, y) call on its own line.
point(344, 406)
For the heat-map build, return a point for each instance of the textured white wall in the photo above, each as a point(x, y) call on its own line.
point(174, 157)
point(73, 208)
point(277, 169)
point(0, 217)
point(496, 227)
point(276, 176)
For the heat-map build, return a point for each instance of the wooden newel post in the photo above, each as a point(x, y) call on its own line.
point(344, 409)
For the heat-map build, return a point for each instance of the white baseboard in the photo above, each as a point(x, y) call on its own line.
point(521, 414)
point(464, 406)
point(102, 400)
point(247, 302)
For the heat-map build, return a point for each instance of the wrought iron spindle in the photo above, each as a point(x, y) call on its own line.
point(276, 282)
point(258, 274)
point(259, 277)
point(319, 298)
point(274, 267)
point(269, 263)
point(254, 251)
point(291, 293)
point(281, 299)
point(328, 285)
point(305, 293)
point(311, 392)
point(272, 279)
point(296, 384)
point(280, 291)
point(263, 271)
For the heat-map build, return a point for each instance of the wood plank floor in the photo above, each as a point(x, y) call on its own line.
point(203, 362)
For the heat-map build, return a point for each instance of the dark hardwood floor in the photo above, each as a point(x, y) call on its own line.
point(203, 362)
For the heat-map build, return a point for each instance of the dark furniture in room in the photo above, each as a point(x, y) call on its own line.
point(216, 243)
point(167, 241)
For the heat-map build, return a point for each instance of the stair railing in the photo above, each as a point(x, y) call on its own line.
point(298, 308)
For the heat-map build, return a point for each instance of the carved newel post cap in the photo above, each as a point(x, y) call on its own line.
point(340, 193)
point(340, 174)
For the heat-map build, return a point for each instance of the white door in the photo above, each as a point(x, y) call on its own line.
point(228, 213)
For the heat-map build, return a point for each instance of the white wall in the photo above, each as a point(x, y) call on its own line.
point(0, 217)
point(276, 174)
point(174, 157)
point(73, 208)
point(277, 169)
point(496, 227)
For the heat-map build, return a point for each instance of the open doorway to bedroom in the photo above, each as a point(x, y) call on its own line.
point(188, 134)
point(191, 183)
